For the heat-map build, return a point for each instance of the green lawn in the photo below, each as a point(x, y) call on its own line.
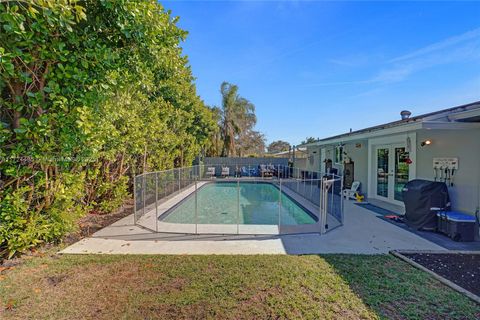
point(226, 287)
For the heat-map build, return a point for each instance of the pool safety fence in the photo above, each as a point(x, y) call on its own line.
point(159, 195)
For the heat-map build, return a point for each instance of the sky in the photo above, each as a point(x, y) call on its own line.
point(317, 69)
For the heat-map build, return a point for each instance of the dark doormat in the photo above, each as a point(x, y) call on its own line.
point(438, 238)
point(376, 209)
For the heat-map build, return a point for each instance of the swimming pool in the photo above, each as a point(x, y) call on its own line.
point(249, 203)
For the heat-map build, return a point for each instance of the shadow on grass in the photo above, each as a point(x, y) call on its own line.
point(396, 290)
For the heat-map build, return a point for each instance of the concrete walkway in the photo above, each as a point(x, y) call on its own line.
point(363, 233)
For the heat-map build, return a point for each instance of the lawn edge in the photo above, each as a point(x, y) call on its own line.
point(443, 280)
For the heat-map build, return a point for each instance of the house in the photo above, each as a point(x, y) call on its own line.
point(442, 145)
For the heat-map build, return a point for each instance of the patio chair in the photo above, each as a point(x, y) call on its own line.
point(262, 169)
point(225, 171)
point(253, 172)
point(350, 193)
point(265, 171)
point(270, 170)
point(244, 172)
point(210, 172)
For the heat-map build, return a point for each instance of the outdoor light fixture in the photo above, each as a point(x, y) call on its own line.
point(426, 143)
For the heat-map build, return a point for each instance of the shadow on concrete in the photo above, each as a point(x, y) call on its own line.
point(437, 238)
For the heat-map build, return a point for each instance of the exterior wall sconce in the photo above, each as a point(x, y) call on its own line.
point(426, 143)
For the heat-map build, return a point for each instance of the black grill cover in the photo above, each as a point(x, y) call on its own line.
point(423, 199)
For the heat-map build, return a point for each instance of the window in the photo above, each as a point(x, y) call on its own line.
point(339, 155)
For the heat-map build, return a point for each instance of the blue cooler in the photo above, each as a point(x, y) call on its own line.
point(458, 226)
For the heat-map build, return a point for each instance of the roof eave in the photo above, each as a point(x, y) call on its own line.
point(404, 125)
point(366, 134)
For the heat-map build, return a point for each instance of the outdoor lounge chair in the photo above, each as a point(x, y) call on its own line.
point(264, 171)
point(244, 172)
point(250, 171)
point(350, 193)
point(270, 170)
point(225, 171)
point(210, 172)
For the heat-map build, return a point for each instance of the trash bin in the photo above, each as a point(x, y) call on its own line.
point(423, 199)
point(456, 225)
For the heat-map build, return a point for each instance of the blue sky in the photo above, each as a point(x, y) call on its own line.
point(321, 68)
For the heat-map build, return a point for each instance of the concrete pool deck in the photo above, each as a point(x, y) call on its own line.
point(362, 233)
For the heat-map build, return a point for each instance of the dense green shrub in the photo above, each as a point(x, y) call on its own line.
point(92, 92)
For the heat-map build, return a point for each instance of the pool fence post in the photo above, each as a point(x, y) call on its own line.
point(134, 200)
point(143, 193)
point(166, 186)
point(179, 173)
point(156, 201)
point(196, 208)
point(311, 188)
point(320, 215)
point(238, 205)
point(298, 182)
point(341, 201)
point(332, 207)
point(279, 205)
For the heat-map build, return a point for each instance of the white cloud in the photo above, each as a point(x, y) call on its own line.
point(470, 35)
point(464, 47)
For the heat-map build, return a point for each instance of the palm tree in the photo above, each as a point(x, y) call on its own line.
point(238, 117)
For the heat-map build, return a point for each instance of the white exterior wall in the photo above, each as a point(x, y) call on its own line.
point(460, 143)
point(464, 144)
point(359, 156)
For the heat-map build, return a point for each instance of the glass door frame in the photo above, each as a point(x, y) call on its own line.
point(390, 172)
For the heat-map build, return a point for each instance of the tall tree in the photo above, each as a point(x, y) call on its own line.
point(91, 93)
point(278, 146)
point(238, 117)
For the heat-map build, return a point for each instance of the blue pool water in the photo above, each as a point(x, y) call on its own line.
point(251, 203)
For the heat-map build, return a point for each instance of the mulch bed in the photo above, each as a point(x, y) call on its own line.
point(93, 222)
point(461, 268)
point(88, 225)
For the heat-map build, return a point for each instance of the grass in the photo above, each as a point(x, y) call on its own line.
point(226, 287)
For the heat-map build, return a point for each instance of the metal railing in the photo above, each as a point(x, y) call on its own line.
point(239, 200)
